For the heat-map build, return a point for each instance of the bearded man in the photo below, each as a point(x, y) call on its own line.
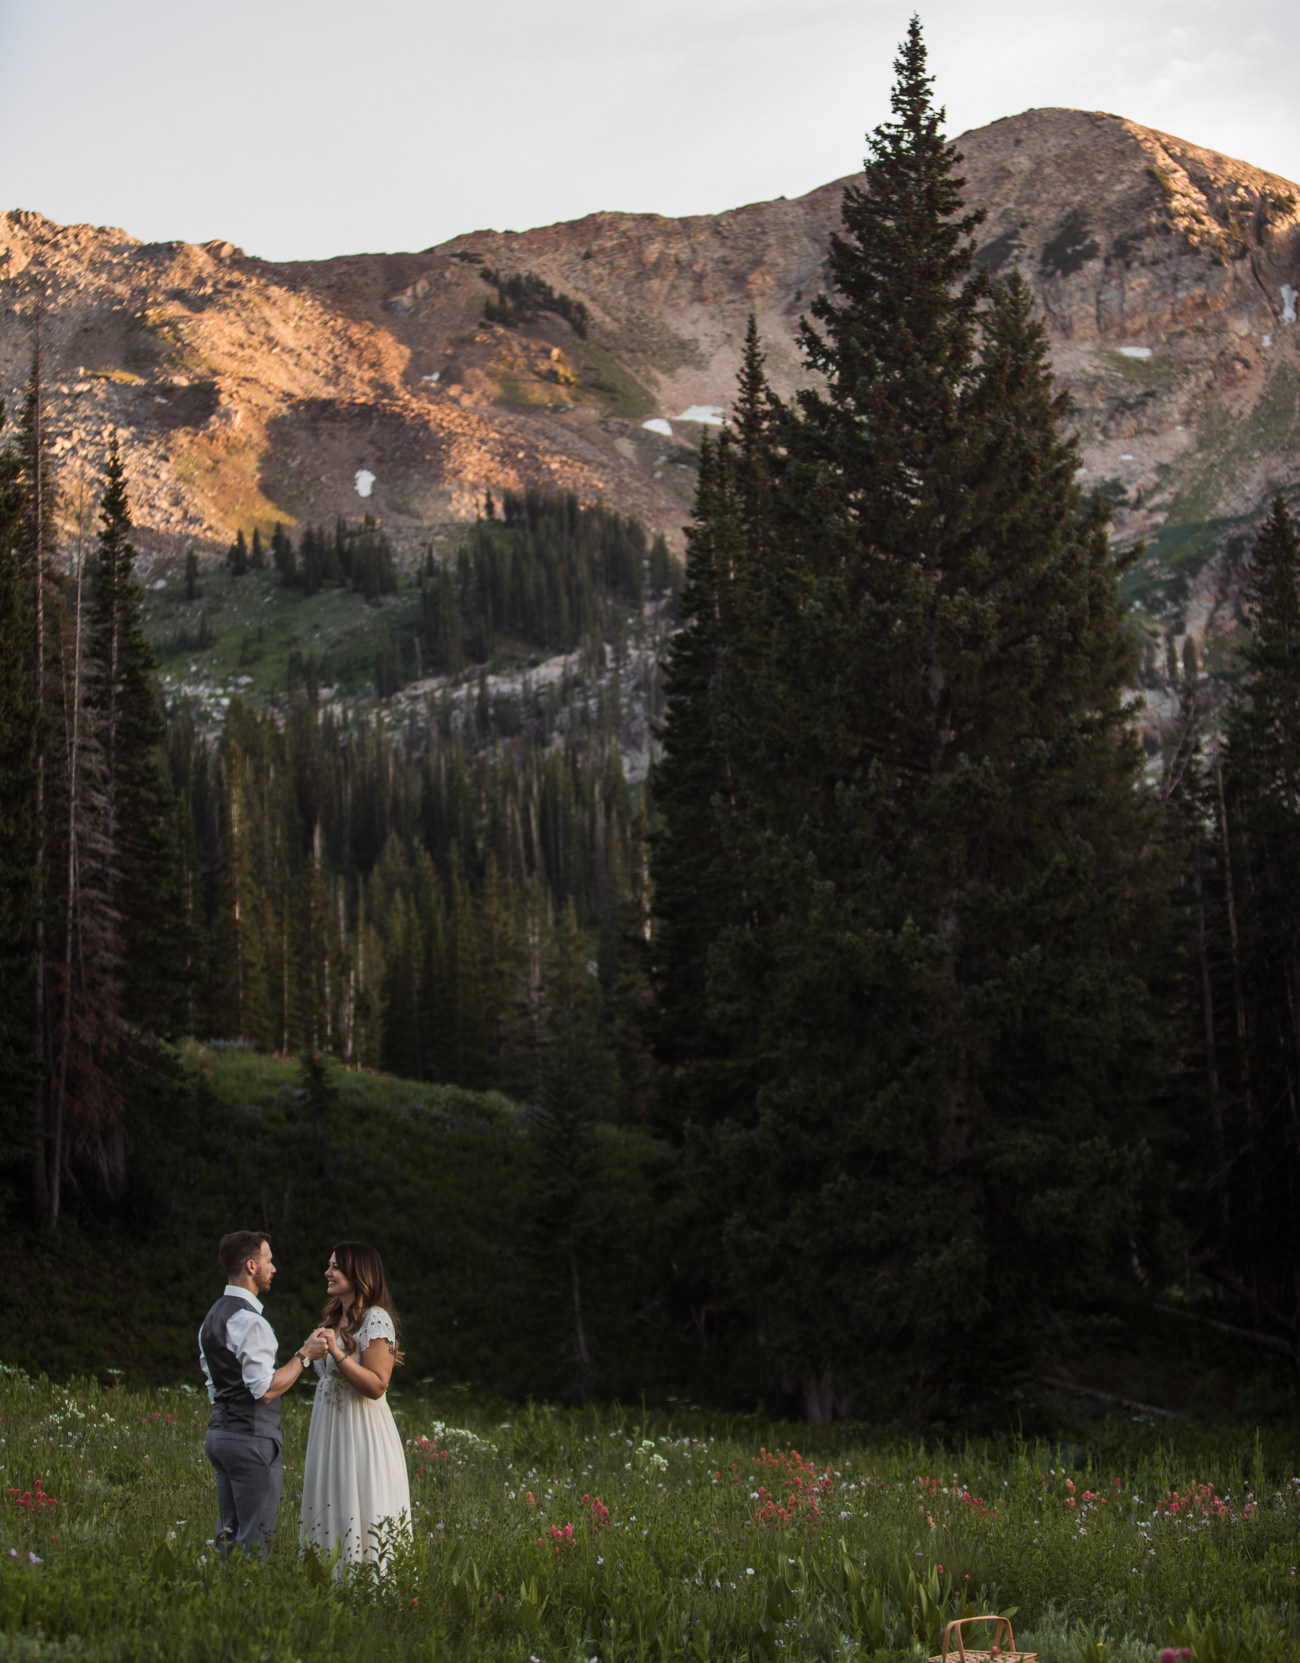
point(237, 1352)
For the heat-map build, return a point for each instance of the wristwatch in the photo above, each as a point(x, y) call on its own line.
point(305, 1361)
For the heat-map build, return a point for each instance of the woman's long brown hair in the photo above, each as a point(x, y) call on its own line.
point(363, 1267)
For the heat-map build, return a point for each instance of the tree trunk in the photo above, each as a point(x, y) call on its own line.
point(819, 1396)
point(581, 1352)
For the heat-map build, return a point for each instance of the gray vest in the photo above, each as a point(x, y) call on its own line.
point(235, 1409)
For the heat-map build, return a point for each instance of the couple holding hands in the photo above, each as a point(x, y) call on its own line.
point(355, 1493)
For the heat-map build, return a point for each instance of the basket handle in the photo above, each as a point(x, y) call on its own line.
point(958, 1623)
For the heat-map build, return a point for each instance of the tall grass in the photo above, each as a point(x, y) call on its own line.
point(620, 1535)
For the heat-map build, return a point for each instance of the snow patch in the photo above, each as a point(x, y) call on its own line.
point(1079, 472)
point(365, 482)
point(1289, 298)
point(1266, 340)
point(657, 424)
point(1126, 457)
point(1135, 352)
point(159, 583)
point(713, 414)
point(432, 377)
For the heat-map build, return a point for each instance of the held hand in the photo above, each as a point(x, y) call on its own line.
point(313, 1348)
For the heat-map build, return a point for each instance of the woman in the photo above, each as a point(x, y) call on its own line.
point(355, 1493)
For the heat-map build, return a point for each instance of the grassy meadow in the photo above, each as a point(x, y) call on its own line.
point(617, 1533)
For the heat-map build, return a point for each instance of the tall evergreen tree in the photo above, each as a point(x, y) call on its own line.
point(85, 1102)
point(142, 833)
point(569, 1213)
point(1261, 811)
point(39, 498)
point(240, 996)
point(19, 721)
point(237, 555)
point(695, 883)
point(932, 812)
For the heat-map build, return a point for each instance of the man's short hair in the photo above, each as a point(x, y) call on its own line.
point(236, 1249)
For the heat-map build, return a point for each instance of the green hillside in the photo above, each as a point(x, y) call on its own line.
point(437, 1177)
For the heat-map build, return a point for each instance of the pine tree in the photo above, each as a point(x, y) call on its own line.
point(624, 962)
point(569, 1209)
point(39, 544)
point(85, 1104)
point(1261, 816)
point(1192, 1160)
point(239, 971)
point(237, 555)
point(935, 1019)
point(461, 991)
point(695, 883)
point(282, 555)
point(316, 955)
point(143, 846)
point(19, 720)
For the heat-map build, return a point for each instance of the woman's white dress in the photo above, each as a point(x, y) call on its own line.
point(355, 1491)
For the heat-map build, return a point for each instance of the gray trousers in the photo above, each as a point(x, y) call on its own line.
point(249, 1475)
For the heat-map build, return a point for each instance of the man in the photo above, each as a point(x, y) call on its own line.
point(237, 1349)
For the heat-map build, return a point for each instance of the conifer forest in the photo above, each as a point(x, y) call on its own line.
point(900, 1026)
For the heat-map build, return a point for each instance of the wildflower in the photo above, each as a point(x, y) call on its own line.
point(32, 1500)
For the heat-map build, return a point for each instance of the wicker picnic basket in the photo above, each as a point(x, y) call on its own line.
point(995, 1652)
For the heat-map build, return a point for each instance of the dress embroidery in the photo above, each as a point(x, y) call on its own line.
point(334, 1384)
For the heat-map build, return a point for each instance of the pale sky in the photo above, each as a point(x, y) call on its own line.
point(304, 128)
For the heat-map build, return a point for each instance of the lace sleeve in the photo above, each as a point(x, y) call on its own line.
point(375, 1325)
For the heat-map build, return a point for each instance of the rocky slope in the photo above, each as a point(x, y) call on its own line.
point(246, 391)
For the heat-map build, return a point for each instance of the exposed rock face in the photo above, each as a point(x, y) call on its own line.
point(247, 391)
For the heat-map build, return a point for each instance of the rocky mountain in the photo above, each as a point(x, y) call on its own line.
point(247, 391)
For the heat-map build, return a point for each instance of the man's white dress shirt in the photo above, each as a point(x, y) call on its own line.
point(252, 1339)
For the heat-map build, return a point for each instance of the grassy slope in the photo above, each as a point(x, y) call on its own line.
point(339, 626)
point(435, 1176)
